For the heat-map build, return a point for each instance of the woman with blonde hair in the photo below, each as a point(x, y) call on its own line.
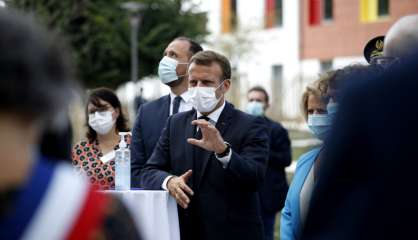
point(314, 108)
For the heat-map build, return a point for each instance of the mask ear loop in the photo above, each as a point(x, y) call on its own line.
point(219, 87)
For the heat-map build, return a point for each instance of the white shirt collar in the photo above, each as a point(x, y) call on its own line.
point(214, 116)
point(184, 97)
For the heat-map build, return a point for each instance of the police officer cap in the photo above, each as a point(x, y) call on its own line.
point(374, 48)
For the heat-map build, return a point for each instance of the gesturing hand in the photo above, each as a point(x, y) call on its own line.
point(177, 187)
point(211, 138)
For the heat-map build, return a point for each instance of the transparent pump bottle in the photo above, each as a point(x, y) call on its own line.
point(123, 165)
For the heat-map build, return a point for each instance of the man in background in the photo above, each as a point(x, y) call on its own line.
point(152, 116)
point(273, 191)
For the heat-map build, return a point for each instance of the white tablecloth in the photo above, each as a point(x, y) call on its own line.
point(155, 213)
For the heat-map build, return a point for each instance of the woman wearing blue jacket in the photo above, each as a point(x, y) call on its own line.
point(299, 194)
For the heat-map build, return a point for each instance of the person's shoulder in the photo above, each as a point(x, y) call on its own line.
point(82, 144)
point(308, 156)
point(243, 116)
point(155, 103)
point(274, 124)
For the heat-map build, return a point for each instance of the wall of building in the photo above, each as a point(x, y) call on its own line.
point(278, 46)
point(299, 48)
point(346, 35)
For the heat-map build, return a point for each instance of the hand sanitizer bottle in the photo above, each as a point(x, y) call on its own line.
point(123, 165)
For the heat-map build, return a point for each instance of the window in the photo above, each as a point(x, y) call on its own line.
point(234, 14)
point(327, 10)
point(229, 15)
point(326, 65)
point(383, 8)
point(273, 13)
point(372, 10)
point(320, 10)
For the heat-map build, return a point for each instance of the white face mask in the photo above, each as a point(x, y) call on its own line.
point(101, 122)
point(204, 98)
point(167, 70)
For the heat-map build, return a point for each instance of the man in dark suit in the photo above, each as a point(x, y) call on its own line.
point(212, 159)
point(274, 190)
point(368, 175)
point(153, 115)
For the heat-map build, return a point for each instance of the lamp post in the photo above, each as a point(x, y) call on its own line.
point(134, 9)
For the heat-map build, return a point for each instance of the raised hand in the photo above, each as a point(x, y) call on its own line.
point(211, 138)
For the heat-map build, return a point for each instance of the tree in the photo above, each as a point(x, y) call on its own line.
point(99, 33)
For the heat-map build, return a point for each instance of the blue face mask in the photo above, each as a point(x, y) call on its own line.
point(332, 108)
point(167, 70)
point(320, 125)
point(255, 108)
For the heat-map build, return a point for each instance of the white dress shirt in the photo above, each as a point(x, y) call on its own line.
point(185, 104)
point(214, 117)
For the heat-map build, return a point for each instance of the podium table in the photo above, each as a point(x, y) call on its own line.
point(154, 212)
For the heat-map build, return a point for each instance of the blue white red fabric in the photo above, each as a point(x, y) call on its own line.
point(54, 204)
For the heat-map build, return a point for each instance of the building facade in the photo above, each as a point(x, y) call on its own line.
point(334, 32)
point(283, 45)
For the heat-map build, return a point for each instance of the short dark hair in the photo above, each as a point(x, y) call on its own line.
point(36, 78)
point(260, 89)
point(109, 96)
point(194, 46)
point(207, 58)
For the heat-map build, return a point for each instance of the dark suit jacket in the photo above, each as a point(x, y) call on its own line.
point(147, 130)
point(225, 204)
point(367, 183)
point(274, 190)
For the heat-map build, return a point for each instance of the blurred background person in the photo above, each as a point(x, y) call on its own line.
point(95, 156)
point(314, 108)
point(56, 141)
point(35, 86)
point(274, 189)
point(152, 116)
point(139, 100)
point(402, 38)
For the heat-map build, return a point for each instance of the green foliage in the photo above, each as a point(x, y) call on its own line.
point(99, 33)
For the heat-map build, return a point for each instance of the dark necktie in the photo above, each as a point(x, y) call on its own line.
point(198, 154)
point(176, 104)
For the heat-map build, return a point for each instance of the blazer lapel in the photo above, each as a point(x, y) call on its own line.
point(225, 119)
point(222, 124)
point(189, 128)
